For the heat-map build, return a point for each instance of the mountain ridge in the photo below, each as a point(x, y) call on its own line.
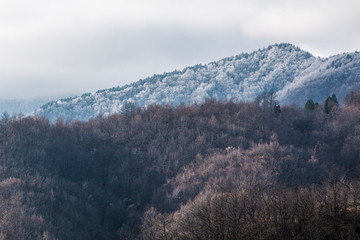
point(282, 68)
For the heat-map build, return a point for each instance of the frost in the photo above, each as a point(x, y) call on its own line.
point(295, 76)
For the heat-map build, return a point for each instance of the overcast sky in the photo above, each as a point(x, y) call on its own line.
point(50, 47)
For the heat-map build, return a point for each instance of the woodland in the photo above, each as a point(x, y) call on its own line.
point(217, 170)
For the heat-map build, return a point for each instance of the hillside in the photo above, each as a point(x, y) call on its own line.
point(220, 169)
point(295, 75)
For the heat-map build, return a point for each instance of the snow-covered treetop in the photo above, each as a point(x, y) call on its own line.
point(295, 75)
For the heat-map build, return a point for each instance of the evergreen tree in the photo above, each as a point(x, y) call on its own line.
point(277, 109)
point(333, 97)
point(310, 105)
point(330, 102)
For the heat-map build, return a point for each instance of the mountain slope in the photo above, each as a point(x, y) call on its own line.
point(295, 75)
point(337, 74)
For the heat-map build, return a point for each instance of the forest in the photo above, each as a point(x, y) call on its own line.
point(217, 170)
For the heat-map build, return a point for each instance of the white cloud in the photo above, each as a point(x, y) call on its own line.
point(82, 45)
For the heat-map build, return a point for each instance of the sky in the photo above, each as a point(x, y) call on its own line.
point(68, 47)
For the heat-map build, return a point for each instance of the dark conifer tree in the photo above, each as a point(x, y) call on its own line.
point(310, 105)
point(330, 102)
point(277, 108)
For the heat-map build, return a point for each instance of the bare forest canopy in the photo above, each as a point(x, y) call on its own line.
point(219, 170)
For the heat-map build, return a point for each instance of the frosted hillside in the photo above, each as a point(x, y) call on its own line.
point(337, 74)
point(294, 74)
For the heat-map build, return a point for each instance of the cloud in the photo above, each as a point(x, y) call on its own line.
point(88, 61)
point(50, 47)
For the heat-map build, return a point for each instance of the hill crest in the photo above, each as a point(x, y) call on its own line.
point(295, 75)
